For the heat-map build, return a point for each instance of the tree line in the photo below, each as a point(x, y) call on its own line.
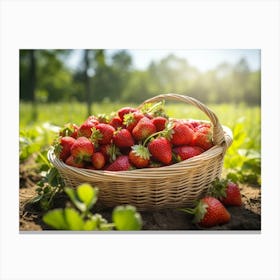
point(46, 77)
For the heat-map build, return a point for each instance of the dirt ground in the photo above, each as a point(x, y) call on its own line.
point(247, 217)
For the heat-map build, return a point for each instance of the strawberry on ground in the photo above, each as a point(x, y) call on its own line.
point(209, 212)
point(72, 162)
point(227, 192)
point(160, 149)
point(122, 138)
point(98, 160)
point(102, 133)
point(63, 148)
point(185, 152)
point(120, 164)
point(82, 149)
point(143, 129)
point(139, 156)
point(182, 134)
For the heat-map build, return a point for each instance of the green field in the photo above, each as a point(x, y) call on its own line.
point(242, 159)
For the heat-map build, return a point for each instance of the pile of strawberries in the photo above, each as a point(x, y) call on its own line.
point(132, 138)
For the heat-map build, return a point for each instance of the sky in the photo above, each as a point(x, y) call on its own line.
point(203, 60)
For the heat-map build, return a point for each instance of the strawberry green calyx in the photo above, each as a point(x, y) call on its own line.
point(199, 211)
point(96, 136)
point(141, 151)
point(218, 188)
point(156, 109)
point(128, 119)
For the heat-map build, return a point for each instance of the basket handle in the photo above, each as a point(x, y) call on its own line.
point(219, 136)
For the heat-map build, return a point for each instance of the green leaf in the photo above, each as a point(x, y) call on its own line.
point(73, 219)
point(73, 197)
point(90, 224)
point(55, 218)
point(87, 194)
point(126, 218)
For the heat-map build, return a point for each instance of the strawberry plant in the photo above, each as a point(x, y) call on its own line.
point(80, 217)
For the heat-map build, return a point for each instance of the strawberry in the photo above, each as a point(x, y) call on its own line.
point(110, 152)
point(120, 164)
point(82, 149)
point(203, 137)
point(160, 149)
point(192, 123)
point(125, 110)
point(159, 123)
point(72, 162)
point(131, 119)
point(123, 138)
point(86, 128)
point(227, 192)
point(143, 129)
point(64, 148)
point(98, 160)
point(181, 135)
point(102, 134)
point(209, 212)
point(185, 152)
point(69, 129)
point(116, 122)
point(139, 156)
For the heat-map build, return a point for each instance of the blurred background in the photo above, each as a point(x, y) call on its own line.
point(131, 76)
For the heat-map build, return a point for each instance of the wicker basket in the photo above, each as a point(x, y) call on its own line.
point(172, 186)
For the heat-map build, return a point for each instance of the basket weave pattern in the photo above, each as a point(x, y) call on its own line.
point(172, 186)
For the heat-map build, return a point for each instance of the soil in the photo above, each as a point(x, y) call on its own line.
point(246, 217)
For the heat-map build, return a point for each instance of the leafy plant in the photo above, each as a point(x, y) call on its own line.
point(50, 185)
point(243, 159)
point(80, 217)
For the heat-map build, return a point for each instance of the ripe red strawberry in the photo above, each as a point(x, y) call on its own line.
point(72, 162)
point(64, 148)
point(98, 160)
point(203, 138)
point(86, 128)
point(139, 156)
point(143, 129)
point(116, 122)
point(120, 164)
point(131, 119)
point(182, 134)
point(125, 110)
point(123, 138)
point(209, 212)
point(192, 123)
point(159, 123)
point(82, 149)
point(227, 192)
point(185, 152)
point(160, 149)
point(102, 134)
